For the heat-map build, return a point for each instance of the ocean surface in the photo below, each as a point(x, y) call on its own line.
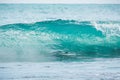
point(81, 40)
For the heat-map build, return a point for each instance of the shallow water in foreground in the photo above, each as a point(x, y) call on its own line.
point(100, 69)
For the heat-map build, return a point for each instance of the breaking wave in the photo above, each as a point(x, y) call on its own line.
point(62, 39)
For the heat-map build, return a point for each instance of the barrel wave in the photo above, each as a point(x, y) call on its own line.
point(60, 40)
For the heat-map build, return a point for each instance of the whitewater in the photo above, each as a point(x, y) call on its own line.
point(59, 41)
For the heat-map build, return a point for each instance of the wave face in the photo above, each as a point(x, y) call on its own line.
point(59, 40)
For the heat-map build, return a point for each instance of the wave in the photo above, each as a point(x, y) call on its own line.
point(63, 39)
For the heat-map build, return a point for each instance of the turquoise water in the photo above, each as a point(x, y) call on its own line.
point(58, 32)
point(59, 41)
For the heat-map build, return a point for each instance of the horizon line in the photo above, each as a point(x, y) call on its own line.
point(55, 3)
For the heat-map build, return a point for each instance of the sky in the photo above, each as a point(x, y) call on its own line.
point(62, 1)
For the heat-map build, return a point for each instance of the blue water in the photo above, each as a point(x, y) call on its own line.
point(43, 32)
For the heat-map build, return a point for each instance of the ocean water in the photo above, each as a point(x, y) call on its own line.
point(71, 37)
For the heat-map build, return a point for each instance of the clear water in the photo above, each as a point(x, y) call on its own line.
point(81, 35)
